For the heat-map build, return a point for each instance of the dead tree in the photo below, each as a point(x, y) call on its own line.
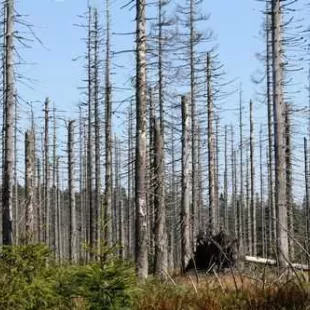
point(252, 174)
point(289, 185)
point(108, 135)
point(71, 186)
point(9, 107)
point(140, 170)
point(47, 209)
point(161, 257)
point(29, 182)
point(278, 107)
point(185, 209)
point(226, 223)
point(306, 173)
point(211, 151)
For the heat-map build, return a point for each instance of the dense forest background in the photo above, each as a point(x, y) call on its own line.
point(145, 165)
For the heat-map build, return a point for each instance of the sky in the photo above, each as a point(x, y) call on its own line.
point(235, 23)
point(55, 74)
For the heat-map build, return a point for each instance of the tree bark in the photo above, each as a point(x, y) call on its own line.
point(185, 209)
point(140, 194)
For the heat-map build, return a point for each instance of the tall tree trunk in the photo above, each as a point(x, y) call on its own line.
point(161, 257)
point(289, 185)
point(185, 209)
point(307, 196)
point(97, 198)
point(9, 104)
point(29, 178)
point(253, 207)
point(71, 186)
point(140, 195)
point(271, 196)
point(90, 194)
point(108, 136)
point(263, 217)
point(278, 106)
point(226, 223)
point(17, 217)
point(211, 151)
point(47, 213)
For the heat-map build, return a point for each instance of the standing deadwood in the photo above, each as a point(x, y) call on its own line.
point(97, 200)
point(217, 170)
point(129, 187)
point(59, 212)
point(263, 217)
point(278, 106)
point(47, 217)
point(90, 168)
point(233, 183)
point(9, 102)
point(55, 228)
point(29, 178)
point(226, 225)
point(81, 223)
point(248, 206)
point(140, 195)
point(252, 173)
point(307, 195)
point(211, 151)
point(192, 41)
point(199, 176)
point(185, 223)
point(108, 136)
point(161, 257)
point(241, 204)
point(72, 206)
point(16, 198)
point(151, 176)
point(288, 173)
point(39, 201)
point(271, 200)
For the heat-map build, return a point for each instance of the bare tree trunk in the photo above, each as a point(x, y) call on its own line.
point(71, 185)
point(97, 198)
point(241, 204)
point(9, 102)
point(226, 225)
point(253, 207)
point(59, 213)
point(289, 185)
point(47, 213)
point(161, 257)
point(140, 195)
point(29, 178)
point(90, 196)
point(55, 229)
point(248, 204)
point(263, 217)
point(108, 136)
point(233, 184)
point(211, 151)
point(185, 222)
point(271, 200)
point(130, 211)
point(192, 40)
point(278, 106)
point(307, 196)
point(17, 217)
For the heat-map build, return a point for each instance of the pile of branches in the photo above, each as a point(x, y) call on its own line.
point(213, 252)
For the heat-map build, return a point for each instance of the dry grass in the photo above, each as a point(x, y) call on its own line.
point(228, 292)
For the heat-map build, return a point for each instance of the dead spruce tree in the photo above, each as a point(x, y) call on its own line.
point(185, 203)
point(29, 185)
point(108, 135)
point(161, 257)
point(9, 108)
point(278, 108)
point(140, 169)
point(72, 192)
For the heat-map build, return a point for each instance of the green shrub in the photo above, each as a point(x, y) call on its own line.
point(28, 283)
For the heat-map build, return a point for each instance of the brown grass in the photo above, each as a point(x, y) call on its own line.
point(227, 292)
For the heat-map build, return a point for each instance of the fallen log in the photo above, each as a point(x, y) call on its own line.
point(272, 262)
